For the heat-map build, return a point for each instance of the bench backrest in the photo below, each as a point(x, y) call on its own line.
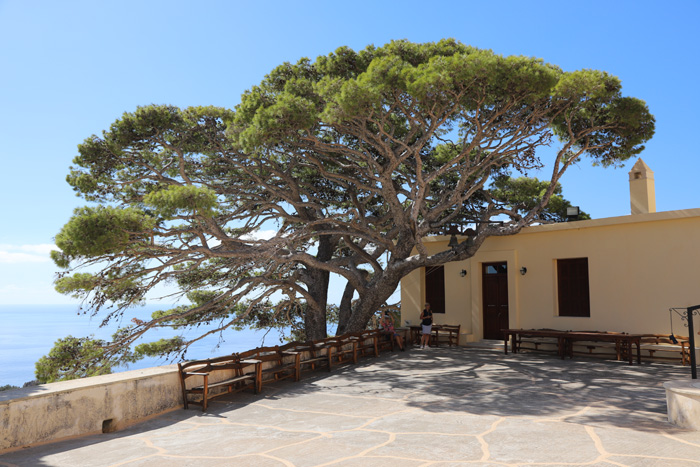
point(263, 354)
point(295, 346)
point(662, 339)
point(227, 362)
point(362, 336)
point(603, 332)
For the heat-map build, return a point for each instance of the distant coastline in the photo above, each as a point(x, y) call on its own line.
point(29, 332)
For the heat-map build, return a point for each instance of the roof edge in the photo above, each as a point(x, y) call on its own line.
point(619, 220)
point(603, 222)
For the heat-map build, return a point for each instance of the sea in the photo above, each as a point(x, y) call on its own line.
point(28, 332)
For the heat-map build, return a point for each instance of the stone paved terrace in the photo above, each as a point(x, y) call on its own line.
point(433, 407)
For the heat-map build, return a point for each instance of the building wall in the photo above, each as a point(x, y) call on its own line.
point(639, 266)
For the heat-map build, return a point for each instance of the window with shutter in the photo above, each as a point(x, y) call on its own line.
point(572, 281)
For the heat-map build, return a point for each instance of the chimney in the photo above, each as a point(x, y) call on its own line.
point(642, 194)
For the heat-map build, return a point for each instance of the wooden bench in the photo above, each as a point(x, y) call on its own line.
point(566, 341)
point(343, 349)
point(273, 363)
point(447, 333)
point(367, 342)
point(623, 343)
point(523, 342)
point(656, 346)
point(311, 355)
point(600, 348)
point(385, 340)
point(659, 346)
point(229, 372)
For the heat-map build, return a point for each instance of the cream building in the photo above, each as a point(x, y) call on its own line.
point(614, 274)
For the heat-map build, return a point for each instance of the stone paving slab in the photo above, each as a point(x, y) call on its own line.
point(433, 407)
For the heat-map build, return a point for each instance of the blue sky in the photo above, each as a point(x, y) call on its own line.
point(70, 68)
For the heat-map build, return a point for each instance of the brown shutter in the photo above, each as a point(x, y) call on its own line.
point(572, 279)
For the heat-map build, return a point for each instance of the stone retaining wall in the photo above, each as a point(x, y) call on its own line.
point(100, 404)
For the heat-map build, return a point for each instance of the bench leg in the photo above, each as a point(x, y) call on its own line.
point(629, 349)
point(257, 383)
point(205, 393)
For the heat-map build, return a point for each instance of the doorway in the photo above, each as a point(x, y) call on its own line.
point(495, 298)
point(435, 288)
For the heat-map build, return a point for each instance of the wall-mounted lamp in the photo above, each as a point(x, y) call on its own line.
point(572, 213)
point(523, 271)
point(463, 272)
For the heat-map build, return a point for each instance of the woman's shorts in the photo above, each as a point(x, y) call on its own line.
point(427, 329)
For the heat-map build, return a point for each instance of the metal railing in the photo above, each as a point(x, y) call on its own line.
point(689, 313)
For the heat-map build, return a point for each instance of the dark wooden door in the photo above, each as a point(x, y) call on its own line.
point(435, 288)
point(495, 296)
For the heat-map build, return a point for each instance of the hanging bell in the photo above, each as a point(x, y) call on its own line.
point(454, 243)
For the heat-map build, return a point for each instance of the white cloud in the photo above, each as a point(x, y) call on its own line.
point(41, 249)
point(17, 254)
point(13, 258)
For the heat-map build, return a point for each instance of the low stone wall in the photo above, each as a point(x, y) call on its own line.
point(100, 404)
point(683, 403)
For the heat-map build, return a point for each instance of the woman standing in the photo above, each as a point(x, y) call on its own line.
point(427, 324)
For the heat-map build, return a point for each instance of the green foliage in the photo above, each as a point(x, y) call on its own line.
point(160, 347)
point(434, 77)
point(154, 136)
point(7, 387)
point(114, 287)
point(101, 230)
point(188, 199)
point(187, 315)
point(610, 127)
point(76, 284)
point(523, 194)
point(78, 357)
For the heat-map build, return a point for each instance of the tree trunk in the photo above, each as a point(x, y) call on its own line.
point(316, 281)
point(371, 299)
point(345, 309)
